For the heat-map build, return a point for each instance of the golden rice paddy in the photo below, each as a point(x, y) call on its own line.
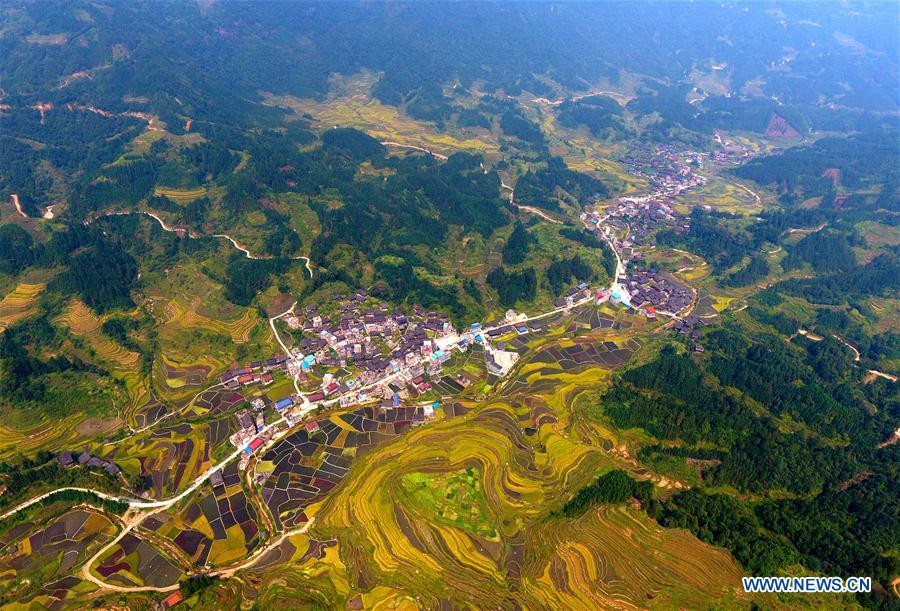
point(19, 304)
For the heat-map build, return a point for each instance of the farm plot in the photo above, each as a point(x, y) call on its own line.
point(181, 196)
point(181, 375)
point(148, 411)
point(19, 304)
point(304, 467)
point(455, 497)
point(235, 322)
point(593, 318)
point(54, 551)
point(218, 526)
point(215, 401)
point(616, 555)
point(134, 562)
point(82, 322)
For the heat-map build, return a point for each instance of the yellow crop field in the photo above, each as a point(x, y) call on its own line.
point(351, 105)
point(182, 196)
point(190, 316)
point(82, 322)
point(18, 304)
point(617, 557)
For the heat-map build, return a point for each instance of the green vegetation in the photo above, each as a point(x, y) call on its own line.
point(196, 583)
point(513, 287)
point(561, 273)
point(610, 488)
point(691, 403)
point(516, 248)
point(372, 138)
point(543, 187)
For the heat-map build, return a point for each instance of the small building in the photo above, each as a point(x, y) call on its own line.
point(245, 419)
point(284, 403)
point(217, 479)
point(66, 459)
point(171, 600)
point(247, 378)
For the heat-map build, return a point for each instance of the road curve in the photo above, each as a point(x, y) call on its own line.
point(190, 234)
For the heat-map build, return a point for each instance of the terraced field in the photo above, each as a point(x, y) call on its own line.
point(135, 562)
point(182, 196)
point(303, 468)
point(171, 456)
point(19, 304)
point(83, 323)
point(51, 552)
point(191, 316)
point(616, 557)
point(351, 105)
point(216, 527)
point(391, 543)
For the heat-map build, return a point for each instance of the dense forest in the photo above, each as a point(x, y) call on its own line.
point(546, 187)
point(705, 408)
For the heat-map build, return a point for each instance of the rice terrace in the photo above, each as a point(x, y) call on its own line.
point(423, 305)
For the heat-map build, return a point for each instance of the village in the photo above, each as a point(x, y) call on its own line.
point(357, 350)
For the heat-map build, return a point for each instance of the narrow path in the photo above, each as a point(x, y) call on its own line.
point(750, 191)
point(185, 232)
point(255, 557)
point(130, 524)
point(802, 230)
point(287, 351)
point(856, 355)
point(530, 209)
point(18, 205)
point(415, 148)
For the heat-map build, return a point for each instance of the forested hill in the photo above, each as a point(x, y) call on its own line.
point(181, 55)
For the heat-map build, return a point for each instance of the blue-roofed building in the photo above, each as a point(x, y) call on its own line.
point(476, 326)
point(284, 403)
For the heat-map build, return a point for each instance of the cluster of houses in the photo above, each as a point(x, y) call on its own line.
point(255, 372)
point(643, 217)
point(732, 153)
point(375, 341)
point(655, 291)
point(572, 296)
point(250, 427)
point(688, 326)
point(669, 169)
point(86, 459)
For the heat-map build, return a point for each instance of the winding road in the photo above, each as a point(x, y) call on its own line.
point(185, 232)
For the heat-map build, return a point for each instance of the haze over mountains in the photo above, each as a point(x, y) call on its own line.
point(439, 305)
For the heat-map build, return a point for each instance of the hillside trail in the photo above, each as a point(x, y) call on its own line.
point(191, 234)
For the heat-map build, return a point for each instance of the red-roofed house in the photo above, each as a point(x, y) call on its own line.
point(172, 599)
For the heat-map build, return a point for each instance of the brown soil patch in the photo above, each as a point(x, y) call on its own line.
point(94, 426)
